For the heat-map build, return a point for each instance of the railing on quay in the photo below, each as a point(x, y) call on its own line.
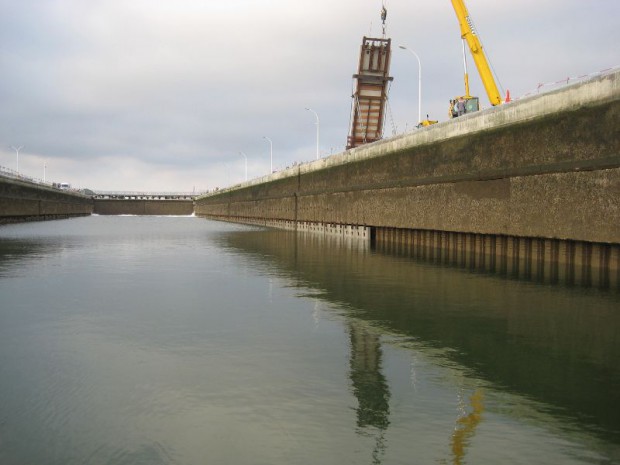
point(12, 174)
point(8, 173)
point(132, 195)
point(543, 87)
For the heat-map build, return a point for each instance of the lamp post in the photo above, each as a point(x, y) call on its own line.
point(419, 82)
point(270, 152)
point(17, 149)
point(246, 165)
point(317, 131)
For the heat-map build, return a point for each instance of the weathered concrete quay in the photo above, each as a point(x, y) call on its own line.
point(26, 201)
point(142, 206)
point(529, 188)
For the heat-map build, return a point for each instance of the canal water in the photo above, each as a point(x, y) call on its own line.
point(178, 340)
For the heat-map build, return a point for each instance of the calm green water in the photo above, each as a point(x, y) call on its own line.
point(145, 340)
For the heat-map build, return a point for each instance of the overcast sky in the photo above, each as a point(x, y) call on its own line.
point(162, 95)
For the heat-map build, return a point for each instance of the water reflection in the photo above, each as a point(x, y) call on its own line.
point(466, 426)
point(16, 251)
point(554, 345)
point(130, 340)
point(369, 385)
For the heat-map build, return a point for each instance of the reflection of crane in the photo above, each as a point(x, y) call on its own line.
point(466, 428)
point(469, 35)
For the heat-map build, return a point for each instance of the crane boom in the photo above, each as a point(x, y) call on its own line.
point(468, 33)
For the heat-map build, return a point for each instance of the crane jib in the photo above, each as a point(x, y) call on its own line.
point(469, 35)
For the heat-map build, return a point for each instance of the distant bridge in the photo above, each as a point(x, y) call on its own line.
point(128, 195)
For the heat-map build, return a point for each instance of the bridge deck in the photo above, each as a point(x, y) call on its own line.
point(126, 195)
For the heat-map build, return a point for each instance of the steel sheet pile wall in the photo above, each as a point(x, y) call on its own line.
point(543, 168)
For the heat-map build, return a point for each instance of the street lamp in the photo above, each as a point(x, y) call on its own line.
point(246, 165)
point(270, 152)
point(17, 149)
point(317, 131)
point(419, 82)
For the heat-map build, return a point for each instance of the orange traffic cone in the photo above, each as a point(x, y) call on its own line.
point(507, 97)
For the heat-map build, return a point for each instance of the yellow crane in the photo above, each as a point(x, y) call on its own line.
point(468, 34)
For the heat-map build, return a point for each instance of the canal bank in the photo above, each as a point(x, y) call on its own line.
point(533, 183)
point(22, 200)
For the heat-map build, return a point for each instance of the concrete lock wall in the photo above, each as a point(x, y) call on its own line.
point(24, 201)
point(546, 167)
point(143, 207)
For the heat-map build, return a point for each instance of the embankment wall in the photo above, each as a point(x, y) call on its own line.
point(25, 201)
point(546, 167)
point(143, 207)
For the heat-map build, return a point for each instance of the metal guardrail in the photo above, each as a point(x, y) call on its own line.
point(12, 174)
point(8, 173)
point(136, 195)
point(549, 86)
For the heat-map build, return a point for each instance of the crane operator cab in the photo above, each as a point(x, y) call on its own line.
point(463, 105)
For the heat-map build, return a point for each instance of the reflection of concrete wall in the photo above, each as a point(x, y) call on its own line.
point(23, 201)
point(369, 384)
point(407, 293)
point(547, 167)
point(143, 207)
point(554, 344)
